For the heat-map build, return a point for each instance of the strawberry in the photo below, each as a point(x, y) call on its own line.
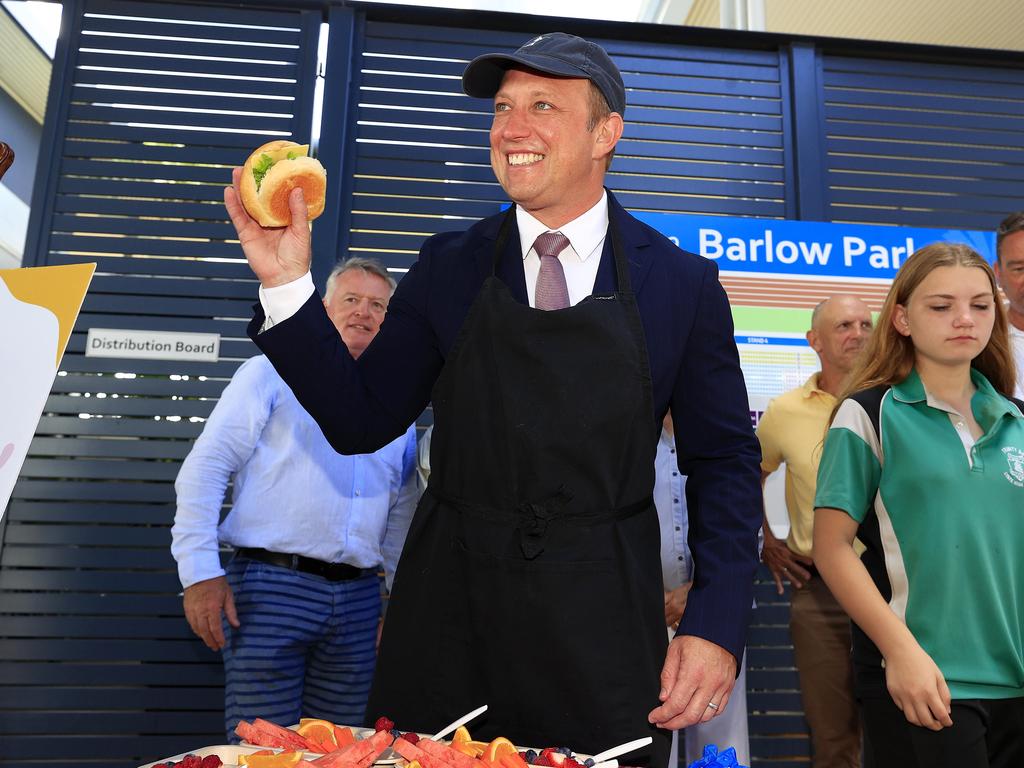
point(550, 757)
point(384, 724)
point(411, 737)
point(191, 761)
point(211, 761)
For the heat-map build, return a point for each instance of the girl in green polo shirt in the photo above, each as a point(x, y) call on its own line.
point(924, 462)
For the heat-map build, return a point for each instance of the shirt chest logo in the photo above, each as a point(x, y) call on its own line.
point(1015, 458)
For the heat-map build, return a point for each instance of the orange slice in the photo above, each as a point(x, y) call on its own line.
point(461, 735)
point(317, 731)
point(242, 759)
point(280, 760)
point(477, 746)
point(500, 746)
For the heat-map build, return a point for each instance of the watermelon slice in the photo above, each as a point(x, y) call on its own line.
point(357, 754)
point(343, 736)
point(263, 733)
point(450, 756)
point(408, 750)
point(282, 736)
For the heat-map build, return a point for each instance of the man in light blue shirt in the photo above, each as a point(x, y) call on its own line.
point(296, 612)
point(729, 727)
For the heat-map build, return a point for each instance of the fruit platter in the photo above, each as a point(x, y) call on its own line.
point(321, 744)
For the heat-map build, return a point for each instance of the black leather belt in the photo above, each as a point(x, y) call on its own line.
point(329, 571)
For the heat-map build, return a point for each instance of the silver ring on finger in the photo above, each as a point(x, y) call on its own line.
point(712, 705)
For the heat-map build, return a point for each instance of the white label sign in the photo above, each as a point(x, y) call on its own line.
point(152, 345)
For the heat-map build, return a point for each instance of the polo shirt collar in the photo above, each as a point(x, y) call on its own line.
point(910, 390)
point(810, 388)
point(986, 402)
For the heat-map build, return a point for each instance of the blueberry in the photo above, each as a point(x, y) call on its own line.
point(589, 762)
point(531, 756)
point(565, 751)
point(395, 732)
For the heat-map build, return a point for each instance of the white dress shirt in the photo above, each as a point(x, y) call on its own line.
point(291, 491)
point(670, 501)
point(580, 261)
point(1017, 343)
point(581, 257)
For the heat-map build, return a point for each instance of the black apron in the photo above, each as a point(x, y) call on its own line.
point(531, 577)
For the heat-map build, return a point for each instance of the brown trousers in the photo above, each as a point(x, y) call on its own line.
point(821, 643)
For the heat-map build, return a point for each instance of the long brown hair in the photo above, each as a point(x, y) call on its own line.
point(888, 357)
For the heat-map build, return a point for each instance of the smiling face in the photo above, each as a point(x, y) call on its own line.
point(357, 306)
point(949, 316)
point(1010, 273)
point(542, 153)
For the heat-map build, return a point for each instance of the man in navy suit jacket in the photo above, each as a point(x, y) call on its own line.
point(550, 149)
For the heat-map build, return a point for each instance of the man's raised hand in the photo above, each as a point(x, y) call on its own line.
point(277, 255)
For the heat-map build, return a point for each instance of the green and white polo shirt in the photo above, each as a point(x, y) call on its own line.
point(942, 517)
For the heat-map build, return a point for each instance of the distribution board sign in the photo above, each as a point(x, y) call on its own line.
point(152, 345)
point(809, 248)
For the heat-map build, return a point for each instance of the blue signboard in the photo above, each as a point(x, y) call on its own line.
point(811, 248)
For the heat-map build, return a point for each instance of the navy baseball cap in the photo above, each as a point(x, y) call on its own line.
point(555, 53)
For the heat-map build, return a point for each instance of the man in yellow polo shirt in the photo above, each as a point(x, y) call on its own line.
point(792, 430)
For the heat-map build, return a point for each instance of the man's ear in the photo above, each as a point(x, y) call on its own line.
point(812, 339)
point(607, 135)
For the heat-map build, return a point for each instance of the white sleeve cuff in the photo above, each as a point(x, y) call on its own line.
point(283, 301)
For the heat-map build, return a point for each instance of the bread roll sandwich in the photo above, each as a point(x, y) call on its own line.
point(269, 176)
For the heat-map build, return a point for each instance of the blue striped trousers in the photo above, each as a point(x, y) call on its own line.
point(306, 646)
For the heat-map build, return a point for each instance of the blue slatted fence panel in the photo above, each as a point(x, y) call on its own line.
point(778, 731)
point(923, 144)
point(158, 102)
point(704, 133)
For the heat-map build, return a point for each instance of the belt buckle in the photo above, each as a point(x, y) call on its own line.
point(295, 562)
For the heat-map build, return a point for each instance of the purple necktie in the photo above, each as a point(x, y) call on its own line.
point(551, 292)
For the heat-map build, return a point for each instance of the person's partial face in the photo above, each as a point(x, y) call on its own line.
point(949, 316)
point(357, 307)
point(840, 332)
point(1009, 269)
point(541, 151)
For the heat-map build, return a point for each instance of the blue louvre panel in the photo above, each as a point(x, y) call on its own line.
point(923, 144)
point(704, 134)
point(778, 731)
point(151, 106)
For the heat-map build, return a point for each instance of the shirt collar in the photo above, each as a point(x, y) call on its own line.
point(984, 401)
point(810, 388)
point(586, 232)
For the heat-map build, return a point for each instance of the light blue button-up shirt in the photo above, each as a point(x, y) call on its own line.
point(670, 499)
point(292, 492)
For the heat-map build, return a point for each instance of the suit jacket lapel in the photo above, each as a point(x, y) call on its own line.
point(634, 241)
point(510, 266)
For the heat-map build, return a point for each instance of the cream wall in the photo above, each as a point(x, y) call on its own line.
point(997, 24)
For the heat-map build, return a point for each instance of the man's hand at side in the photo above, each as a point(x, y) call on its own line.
point(205, 601)
point(675, 604)
point(696, 672)
point(783, 562)
point(277, 255)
